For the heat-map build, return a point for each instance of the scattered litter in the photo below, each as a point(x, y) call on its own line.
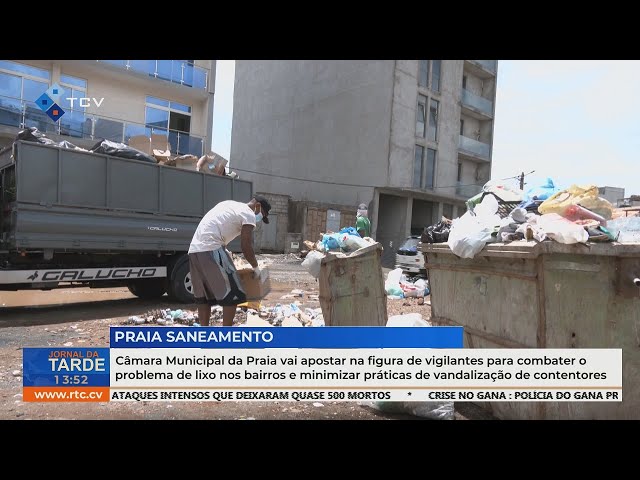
point(16, 373)
point(318, 404)
point(291, 322)
point(67, 344)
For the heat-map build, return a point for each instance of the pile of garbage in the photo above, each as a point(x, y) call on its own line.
point(154, 149)
point(544, 213)
point(278, 316)
point(346, 241)
point(398, 286)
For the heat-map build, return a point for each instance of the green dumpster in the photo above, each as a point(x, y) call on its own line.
point(545, 295)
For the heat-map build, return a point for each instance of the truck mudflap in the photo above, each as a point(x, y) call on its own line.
point(80, 274)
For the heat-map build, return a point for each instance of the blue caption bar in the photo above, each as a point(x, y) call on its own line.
point(65, 367)
point(305, 337)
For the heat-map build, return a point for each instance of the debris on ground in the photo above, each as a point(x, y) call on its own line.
point(279, 315)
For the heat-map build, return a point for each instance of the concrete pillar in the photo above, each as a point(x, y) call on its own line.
point(208, 141)
point(55, 73)
point(373, 215)
point(407, 222)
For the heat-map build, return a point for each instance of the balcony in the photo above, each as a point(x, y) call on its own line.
point(473, 149)
point(20, 114)
point(175, 71)
point(476, 106)
point(467, 191)
point(482, 68)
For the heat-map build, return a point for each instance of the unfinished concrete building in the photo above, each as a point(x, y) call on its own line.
point(410, 138)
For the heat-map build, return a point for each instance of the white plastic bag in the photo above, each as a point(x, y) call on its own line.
point(353, 243)
point(392, 284)
point(562, 230)
point(312, 263)
point(470, 233)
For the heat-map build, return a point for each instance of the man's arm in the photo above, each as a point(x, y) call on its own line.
point(246, 243)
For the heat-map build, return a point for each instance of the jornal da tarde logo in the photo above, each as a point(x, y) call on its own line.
point(48, 102)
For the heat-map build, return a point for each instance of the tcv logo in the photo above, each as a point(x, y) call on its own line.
point(163, 229)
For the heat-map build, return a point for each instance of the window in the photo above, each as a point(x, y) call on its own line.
point(461, 127)
point(163, 115)
point(435, 76)
point(421, 116)
point(423, 74)
point(20, 87)
point(430, 169)
point(73, 123)
point(429, 74)
point(25, 70)
point(172, 119)
point(73, 81)
point(424, 167)
point(459, 171)
point(433, 120)
point(427, 125)
point(417, 167)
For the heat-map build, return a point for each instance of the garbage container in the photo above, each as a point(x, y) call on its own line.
point(351, 288)
point(545, 295)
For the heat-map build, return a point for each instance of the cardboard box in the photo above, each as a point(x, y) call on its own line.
point(255, 288)
point(160, 147)
point(186, 162)
point(142, 143)
point(212, 163)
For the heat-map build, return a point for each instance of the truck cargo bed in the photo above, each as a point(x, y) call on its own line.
point(73, 200)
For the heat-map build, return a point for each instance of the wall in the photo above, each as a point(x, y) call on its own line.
point(279, 207)
point(322, 120)
point(613, 194)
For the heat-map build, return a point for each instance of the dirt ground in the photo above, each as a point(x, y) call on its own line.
point(82, 317)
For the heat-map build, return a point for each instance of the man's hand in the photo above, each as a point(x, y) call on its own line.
point(256, 272)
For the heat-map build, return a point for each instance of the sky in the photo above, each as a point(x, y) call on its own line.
point(574, 121)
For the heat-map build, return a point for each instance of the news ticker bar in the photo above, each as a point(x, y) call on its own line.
point(105, 394)
point(309, 374)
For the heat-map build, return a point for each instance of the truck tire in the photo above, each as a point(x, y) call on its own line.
point(148, 289)
point(180, 281)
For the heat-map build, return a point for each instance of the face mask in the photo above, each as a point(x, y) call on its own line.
point(362, 213)
point(258, 217)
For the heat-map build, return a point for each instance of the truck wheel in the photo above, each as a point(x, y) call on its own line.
point(180, 287)
point(148, 289)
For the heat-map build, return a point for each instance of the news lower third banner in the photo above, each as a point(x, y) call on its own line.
point(311, 364)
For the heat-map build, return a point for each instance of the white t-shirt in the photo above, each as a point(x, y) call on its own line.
point(221, 225)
